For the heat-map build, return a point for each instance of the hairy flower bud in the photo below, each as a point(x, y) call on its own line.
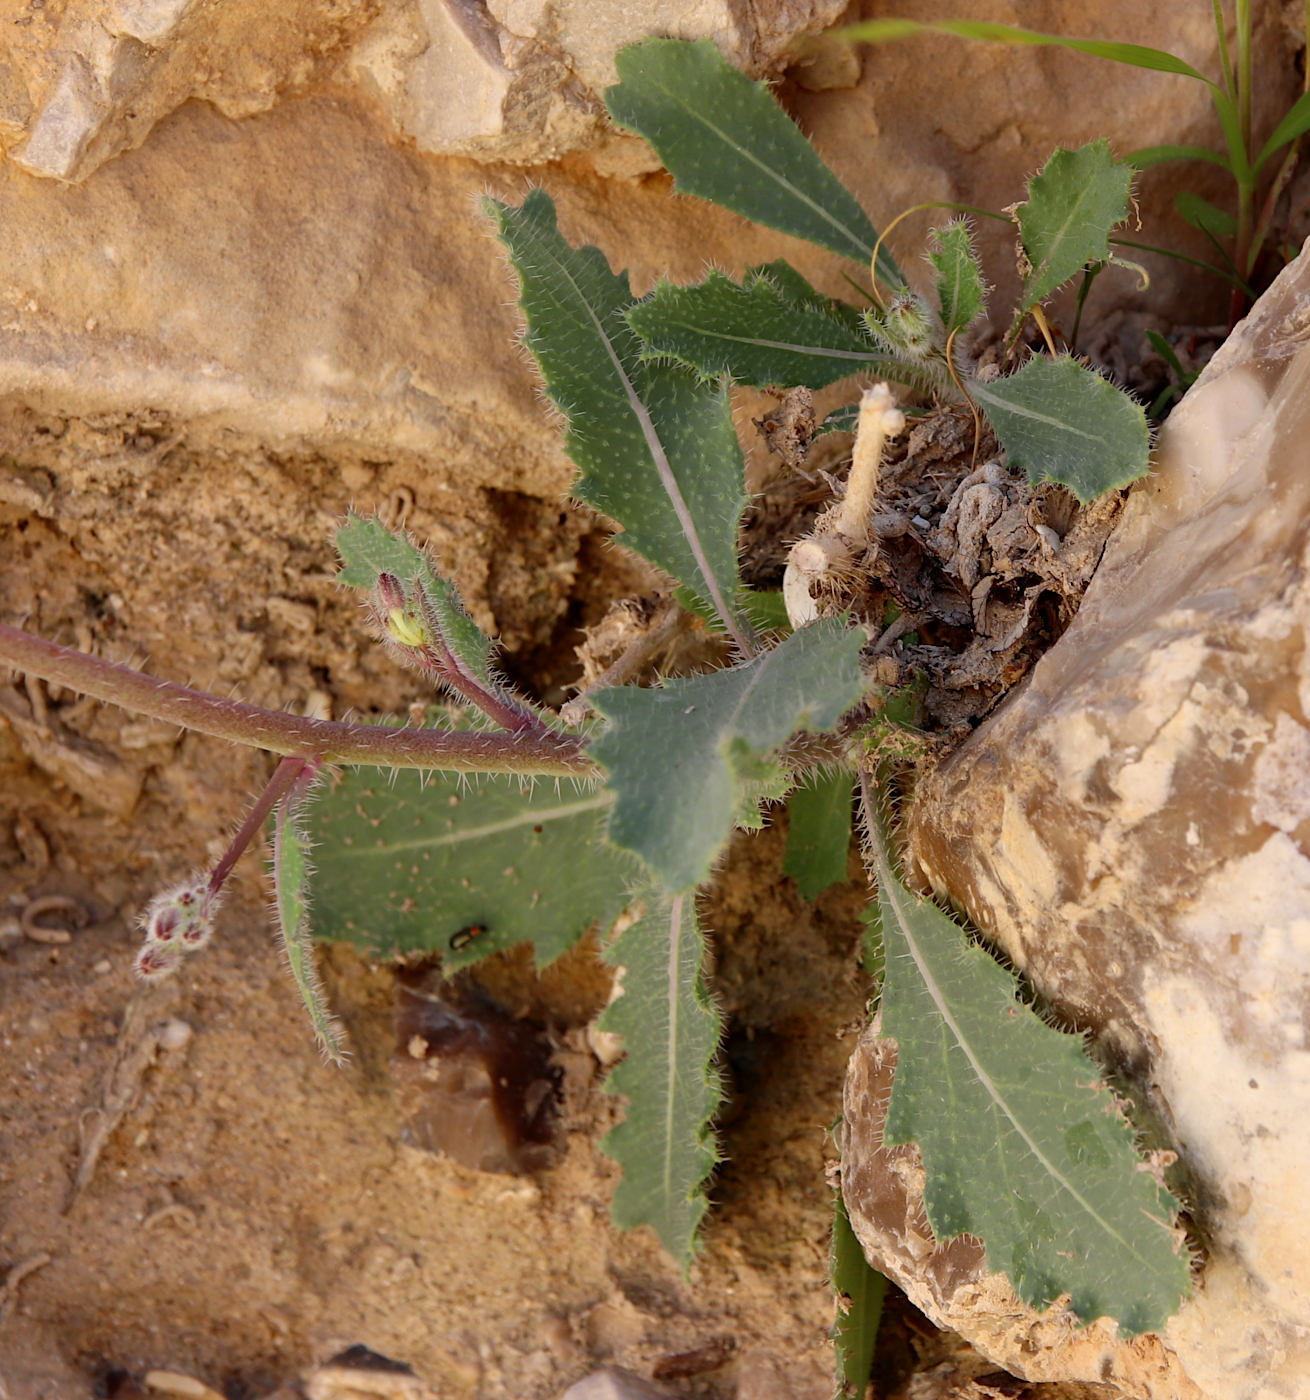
point(906, 328)
point(179, 921)
point(155, 961)
point(399, 615)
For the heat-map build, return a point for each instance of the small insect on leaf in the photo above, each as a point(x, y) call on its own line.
point(465, 936)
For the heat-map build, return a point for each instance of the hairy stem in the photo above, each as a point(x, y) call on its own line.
point(331, 742)
point(441, 662)
point(285, 776)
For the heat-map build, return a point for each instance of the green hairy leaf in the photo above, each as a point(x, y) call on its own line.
point(657, 449)
point(1061, 422)
point(671, 1030)
point(860, 1290)
point(681, 758)
point(1073, 203)
point(755, 333)
point(960, 293)
point(819, 833)
point(291, 906)
point(367, 549)
point(723, 137)
point(406, 864)
point(1022, 1144)
point(796, 288)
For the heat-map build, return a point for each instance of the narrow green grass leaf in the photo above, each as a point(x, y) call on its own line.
point(840, 420)
point(367, 549)
point(1073, 203)
point(680, 758)
point(860, 1290)
point(1147, 156)
point(1135, 55)
point(657, 448)
point(767, 611)
point(1022, 1144)
point(723, 137)
point(755, 334)
point(1058, 421)
point(291, 906)
point(1294, 123)
point(960, 293)
point(1203, 215)
point(406, 865)
point(819, 832)
point(671, 1030)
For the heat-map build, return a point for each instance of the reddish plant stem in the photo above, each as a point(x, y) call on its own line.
point(440, 661)
point(286, 775)
point(545, 753)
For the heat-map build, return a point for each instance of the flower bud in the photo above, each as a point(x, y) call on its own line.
point(906, 327)
point(180, 919)
point(155, 961)
point(399, 615)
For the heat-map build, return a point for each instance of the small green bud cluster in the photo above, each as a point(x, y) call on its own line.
point(907, 328)
point(178, 922)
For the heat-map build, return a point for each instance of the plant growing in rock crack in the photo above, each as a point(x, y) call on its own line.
point(670, 770)
point(1257, 193)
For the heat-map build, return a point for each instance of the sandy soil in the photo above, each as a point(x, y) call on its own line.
point(252, 1211)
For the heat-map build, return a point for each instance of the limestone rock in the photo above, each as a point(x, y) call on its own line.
point(306, 283)
point(613, 1383)
point(82, 82)
point(1133, 827)
point(531, 74)
point(506, 80)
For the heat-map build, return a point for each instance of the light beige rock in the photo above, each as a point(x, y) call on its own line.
point(513, 80)
point(83, 81)
point(1134, 828)
point(523, 80)
point(307, 283)
point(613, 1383)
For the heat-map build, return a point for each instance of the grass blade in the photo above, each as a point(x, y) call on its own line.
point(860, 1290)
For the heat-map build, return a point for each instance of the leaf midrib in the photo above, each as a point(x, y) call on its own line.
point(660, 458)
point(762, 166)
point(897, 896)
point(532, 817)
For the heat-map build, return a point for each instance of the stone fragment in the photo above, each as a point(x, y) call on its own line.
point(613, 1383)
point(531, 74)
point(361, 1374)
point(1133, 828)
